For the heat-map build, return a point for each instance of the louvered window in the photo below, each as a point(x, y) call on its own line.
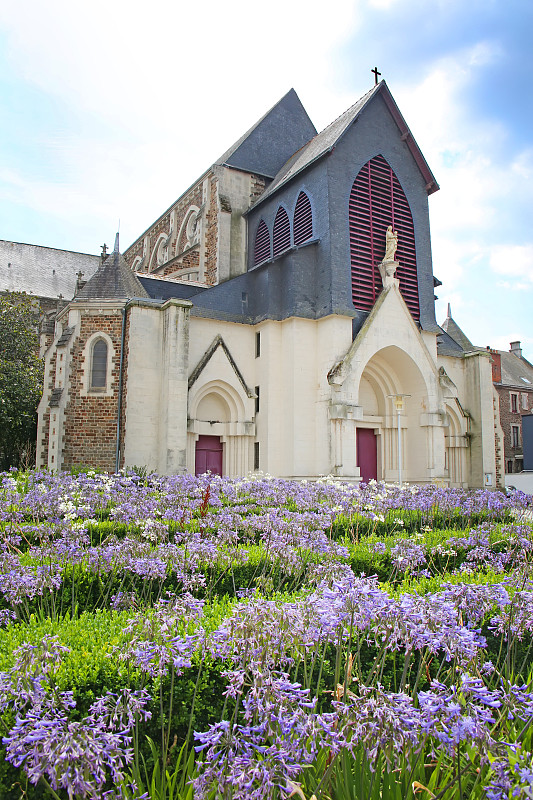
point(377, 200)
point(262, 243)
point(281, 238)
point(303, 220)
point(99, 365)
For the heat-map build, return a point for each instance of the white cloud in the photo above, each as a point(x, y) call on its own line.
point(514, 259)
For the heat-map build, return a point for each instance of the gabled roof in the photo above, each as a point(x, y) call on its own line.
point(516, 371)
point(325, 141)
point(114, 280)
point(273, 139)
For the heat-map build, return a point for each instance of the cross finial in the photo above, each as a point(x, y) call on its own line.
point(104, 250)
point(376, 73)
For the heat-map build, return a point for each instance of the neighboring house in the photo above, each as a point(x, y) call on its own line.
point(512, 375)
point(278, 317)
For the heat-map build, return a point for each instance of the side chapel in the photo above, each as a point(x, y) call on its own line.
point(279, 316)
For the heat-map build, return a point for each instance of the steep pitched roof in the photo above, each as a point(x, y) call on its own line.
point(273, 139)
point(454, 331)
point(325, 141)
point(114, 280)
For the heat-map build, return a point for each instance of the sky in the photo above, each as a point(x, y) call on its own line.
point(109, 110)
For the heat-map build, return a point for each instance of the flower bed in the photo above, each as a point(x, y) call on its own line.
point(199, 637)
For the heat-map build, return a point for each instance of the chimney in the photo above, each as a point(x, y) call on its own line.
point(496, 361)
point(516, 349)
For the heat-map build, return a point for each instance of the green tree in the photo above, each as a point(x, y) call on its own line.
point(20, 377)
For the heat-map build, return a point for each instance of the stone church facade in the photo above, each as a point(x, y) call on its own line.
point(278, 317)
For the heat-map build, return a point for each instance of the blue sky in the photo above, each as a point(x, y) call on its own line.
point(109, 113)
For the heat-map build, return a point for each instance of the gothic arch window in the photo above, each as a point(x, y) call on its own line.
point(377, 200)
point(303, 220)
point(282, 232)
point(99, 354)
point(262, 243)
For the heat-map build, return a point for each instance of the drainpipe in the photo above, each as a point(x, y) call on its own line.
point(120, 386)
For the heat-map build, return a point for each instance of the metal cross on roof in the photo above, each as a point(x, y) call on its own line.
point(376, 73)
point(104, 249)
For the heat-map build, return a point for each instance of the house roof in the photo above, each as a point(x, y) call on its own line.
point(516, 371)
point(43, 271)
point(114, 280)
point(325, 141)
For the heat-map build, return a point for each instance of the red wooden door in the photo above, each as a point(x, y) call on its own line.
point(208, 455)
point(367, 453)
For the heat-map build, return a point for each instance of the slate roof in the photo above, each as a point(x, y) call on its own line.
point(161, 289)
point(454, 332)
point(516, 371)
point(446, 346)
point(326, 140)
point(113, 281)
point(453, 341)
point(43, 271)
point(267, 145)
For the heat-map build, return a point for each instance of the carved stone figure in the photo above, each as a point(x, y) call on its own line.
point(391, 244)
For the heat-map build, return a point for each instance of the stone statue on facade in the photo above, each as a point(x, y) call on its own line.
point(389, 265)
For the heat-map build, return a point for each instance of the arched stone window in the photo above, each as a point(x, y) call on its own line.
point(377, 200)
point(303, 220)
point(282, 232)
point(262, 243)
point(99, 365)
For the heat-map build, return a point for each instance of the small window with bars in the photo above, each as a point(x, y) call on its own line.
point(282, 232)
point(256, 455)
point(262, 243)
point(99, 365)
point(303, 220)
point(256, 399)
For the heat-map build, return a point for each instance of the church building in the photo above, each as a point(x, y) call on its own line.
point(279, 316)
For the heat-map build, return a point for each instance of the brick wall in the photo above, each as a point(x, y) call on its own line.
point(508, 418)
point(178, 212)
point(211, 234)
point(90, 427)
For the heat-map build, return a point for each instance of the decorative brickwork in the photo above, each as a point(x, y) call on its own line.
point(90, 427)
point(172, 219)
point(211, 234)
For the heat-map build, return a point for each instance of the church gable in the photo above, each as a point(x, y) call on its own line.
point(390, 324)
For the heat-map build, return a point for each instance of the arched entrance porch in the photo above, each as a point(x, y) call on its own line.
point(220, 440)
point(392, 373)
